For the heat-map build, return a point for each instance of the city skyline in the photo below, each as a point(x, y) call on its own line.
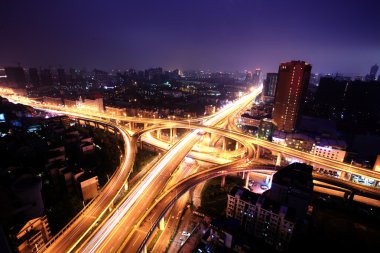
point(216, 36)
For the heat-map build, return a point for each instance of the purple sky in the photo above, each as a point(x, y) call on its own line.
point(333, 35)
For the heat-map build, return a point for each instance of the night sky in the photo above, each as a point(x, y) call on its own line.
point(224, 35)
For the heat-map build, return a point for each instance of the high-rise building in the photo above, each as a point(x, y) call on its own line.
point(61, 76)
point(292, 83)
point(372, 73)
point(269, 88)
point(257, 76)
point(374, 70)
point(15, 76)
point(34, 78)
point(46, 77)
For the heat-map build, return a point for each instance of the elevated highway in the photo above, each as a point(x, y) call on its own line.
point(82, 236)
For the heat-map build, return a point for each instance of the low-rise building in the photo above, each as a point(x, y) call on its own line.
point(210, 109)
point(325, 147)
point(266, 129)
point(117, 111)
point(34, 235)
point(52, 101)
point(330, 148)
point(92, 105)
point(90, 188)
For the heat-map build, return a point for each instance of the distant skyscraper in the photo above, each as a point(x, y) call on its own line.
point(15, 76)
point(269, 89)
point(293, 80)
point(257, 76)
point(372, 73)
point(34, 78)
point(61, 76)
point(248, 76)
point(46, 77)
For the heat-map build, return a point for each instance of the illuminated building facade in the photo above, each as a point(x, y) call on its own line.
point(293, 80)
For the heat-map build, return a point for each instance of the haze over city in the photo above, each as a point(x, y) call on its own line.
point(217, 35)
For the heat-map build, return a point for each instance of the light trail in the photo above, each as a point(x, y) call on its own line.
point(109, 225)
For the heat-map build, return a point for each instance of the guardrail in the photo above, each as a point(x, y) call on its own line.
point(88, 205)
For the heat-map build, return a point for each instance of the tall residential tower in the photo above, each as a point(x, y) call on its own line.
point(292, 83)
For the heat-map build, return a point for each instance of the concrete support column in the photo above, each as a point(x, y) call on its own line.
point(243, 175)
point(213, 140)
point(208, 139)
point(132, 125)
point(246, 180)
point(145, 249)
point(351, 197)
point(159, 134)
point(268, 179)
point(126, 186)
point(237, 145)
point(162, 223)
point(223, 182)
point(224, 143)
point(191, 194)
point(171, 134)
point(174, 133)
point(145, 125)
point(258, 150)
point(278, 161)
point(346, 175)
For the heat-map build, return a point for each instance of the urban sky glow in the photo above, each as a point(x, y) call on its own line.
point(335, 36)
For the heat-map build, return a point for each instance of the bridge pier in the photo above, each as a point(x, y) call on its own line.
point(162, 223)
point(213, 140)
point(208, 139)
point(145, 249)
point(173, 133)
point(145, 125)
point(346, 175)
point(191, 195)
point(223, 181)
point(278, 160)
point(246, 180)
point(349, 196)
point(110, 208)
point(258, 150)
point(237, 145)
point(224, 143)
point(158, 134)
point(268, 181)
